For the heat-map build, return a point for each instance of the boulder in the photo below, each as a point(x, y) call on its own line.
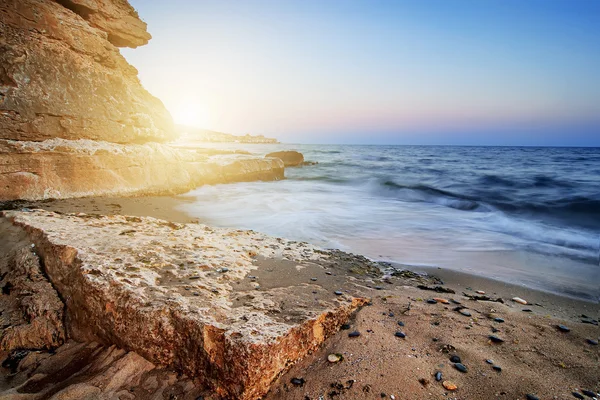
point(290, 158)
point(232, 309)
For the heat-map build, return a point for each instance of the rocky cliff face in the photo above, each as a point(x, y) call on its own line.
point(61, 75)
point(75, 120)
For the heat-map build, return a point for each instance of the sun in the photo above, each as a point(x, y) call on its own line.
point(191, 113)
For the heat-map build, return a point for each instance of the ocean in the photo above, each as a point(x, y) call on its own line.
point(523, 215)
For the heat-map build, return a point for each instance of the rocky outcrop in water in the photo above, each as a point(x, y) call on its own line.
point(290, 158)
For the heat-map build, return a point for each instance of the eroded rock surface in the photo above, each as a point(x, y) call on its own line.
point(31, 313)
point(230, 308)
point(60, 168)
point(60, 75)
point(290, 158)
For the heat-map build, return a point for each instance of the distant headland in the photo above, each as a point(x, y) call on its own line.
point(189, 133)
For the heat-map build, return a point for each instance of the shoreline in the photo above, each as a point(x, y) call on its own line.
point(165, 207)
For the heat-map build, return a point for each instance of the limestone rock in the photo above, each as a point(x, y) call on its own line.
point(60, 168)
point(230, 308)
point(290, 158)
point(32, 312)
point(60, 76)
point(115, 17)
point(91, 371)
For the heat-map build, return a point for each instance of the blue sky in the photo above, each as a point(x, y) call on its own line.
point(499, 72)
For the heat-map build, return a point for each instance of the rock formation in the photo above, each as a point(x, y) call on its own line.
point(230, 308)
point(290, 158)
point(74, 118)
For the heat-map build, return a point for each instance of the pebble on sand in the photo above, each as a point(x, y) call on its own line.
point(480, 292)
point(438, 376)
point(532, 397)
point(589, 393)
point(519, 300)
point(440, 300)
point(333, 358)
point(592, 342)
point(455, 359)
point(497, 368)
point(400, 323)
point(577, 395)
point(460, 367)
point(354, 334)
point(464, 312)
point(495, 339)
point(563, 328)
point(400, 334)
point(498, 320)
point(449, 385)
point(298, 381)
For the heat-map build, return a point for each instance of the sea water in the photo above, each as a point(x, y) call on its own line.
point(524, 215)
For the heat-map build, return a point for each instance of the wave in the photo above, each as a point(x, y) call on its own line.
point(576, 205)
point(538, 181)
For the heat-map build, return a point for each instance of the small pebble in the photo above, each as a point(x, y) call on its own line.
point(592, 342)
point(327, 273)
point(378, 288)
point(354, 334)
point(489, 361)
point(400, 334)
point(498, 320)
point(532, 397)
point(345, 326)
point(298, 381)
point(589, 393)
point(338, 293)
point(333, 358)
point(577, 395)
point(440, 300)
point(527, 310)
point(460, 367)
point(520, 301)
point(438, 376)
point(455, 359)
point(449, 385)
point(480, 292)
point(313, 279)
point(465, 313)
point(563, 328)
point(400, 323)
point(391, 314)
point(431, 301)
point(497, 368)
point(495, 339)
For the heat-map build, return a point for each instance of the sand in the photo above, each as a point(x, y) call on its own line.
point(535, 356)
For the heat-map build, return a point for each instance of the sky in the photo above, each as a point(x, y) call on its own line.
point(465, 72)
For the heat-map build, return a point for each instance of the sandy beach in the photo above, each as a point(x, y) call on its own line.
point(532, 356)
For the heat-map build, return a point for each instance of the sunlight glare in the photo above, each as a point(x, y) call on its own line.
point(190, 113)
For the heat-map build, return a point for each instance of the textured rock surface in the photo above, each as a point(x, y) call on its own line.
point(231, 308)
point(31, 314)
point(60, 168)
point(78, 371)
point(60, 76)
point(290, 158)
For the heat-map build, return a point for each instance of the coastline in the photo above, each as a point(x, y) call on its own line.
point(166, 207)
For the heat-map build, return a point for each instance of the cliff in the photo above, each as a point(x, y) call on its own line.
point(74, 117)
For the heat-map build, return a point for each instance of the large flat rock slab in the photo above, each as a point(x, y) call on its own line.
point(230, 308)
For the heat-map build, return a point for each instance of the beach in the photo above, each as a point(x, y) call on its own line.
point(535, 357)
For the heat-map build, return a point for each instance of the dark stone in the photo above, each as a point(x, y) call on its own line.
point(563, 328)
point(354, 334)
point(531, 397)
point(346, 326)
point(298, 381)
point(400, 334)
point(455, 359)
point(400, 323)
point(498, 320)
point(464, 312)
point(438, 376)
point(489, 361)
point(577, 395)
point(527, 310)
point(431, 301)
point(496, 339)
point(460, 367)
point(589, 393)
point(497, 368)
point(338, 293)
point(592, 342)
